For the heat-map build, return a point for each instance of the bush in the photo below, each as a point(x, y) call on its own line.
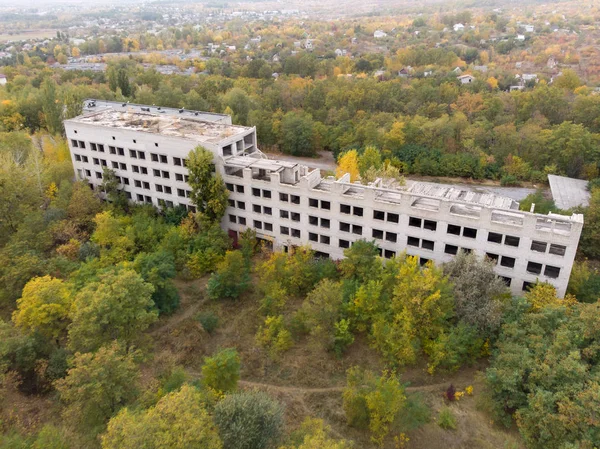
point(209, 321)
point(509, 181)
point(446, 419)
point(231, 279)
point(372, 401)
point(221, 372)
point(342, 337)
point(274, 336)
point(249, 420)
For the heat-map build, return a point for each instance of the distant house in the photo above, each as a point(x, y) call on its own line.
point(379, 34)
point(551, 62)
point(516, 87)
point(3, 80)
point(520, 37)
point(379, 74)
point(466, 79)
point(529, 28)
point(404, 73)
point(459, 27)
point(480, 68)
point(529, 77)
point(427, 73)
point(457, 71)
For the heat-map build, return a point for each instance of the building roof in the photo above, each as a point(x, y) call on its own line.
point(91, 105)
point(569, 192)
point(167, 125)
point(260, 163)
point(449, 192)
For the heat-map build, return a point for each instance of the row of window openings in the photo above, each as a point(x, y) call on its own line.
point(136, 154)
point(134, 168)
point(414, 222)
point(532, 267)
point(287, 198)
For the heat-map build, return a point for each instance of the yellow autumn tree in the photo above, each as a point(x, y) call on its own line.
point(348, 163)
point(492, 82)
point(43, 307)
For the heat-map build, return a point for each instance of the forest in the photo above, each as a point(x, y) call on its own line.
point(123, 326)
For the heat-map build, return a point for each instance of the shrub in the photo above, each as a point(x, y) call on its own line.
point(231, 279)
point(342, 337)
point(509, 181)
point(372, 401)
point(274, 336)
point(209, 321)
point(221, 372)
point(446, 419)
point(249, 420)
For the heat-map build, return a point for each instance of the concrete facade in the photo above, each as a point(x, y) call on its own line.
point(290, 205)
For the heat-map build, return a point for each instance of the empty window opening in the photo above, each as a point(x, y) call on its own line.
point(540, 247)
point(451, 249)
point(552, 272)
point(511, 240)
point(534, 267)
point(453, 229)
point(508, 262)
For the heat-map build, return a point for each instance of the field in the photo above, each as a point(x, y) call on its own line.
point(309, 381)
point(27, 34)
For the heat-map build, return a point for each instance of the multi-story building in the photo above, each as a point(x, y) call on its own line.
point(289, 204)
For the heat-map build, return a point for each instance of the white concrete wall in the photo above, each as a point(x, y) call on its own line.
point(305, 190)
point(480, 244)
point(172, 147)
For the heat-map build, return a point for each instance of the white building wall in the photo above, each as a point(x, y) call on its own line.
point(331, 240)
point(487, 222)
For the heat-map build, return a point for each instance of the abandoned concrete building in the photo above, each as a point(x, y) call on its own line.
point(289, 204)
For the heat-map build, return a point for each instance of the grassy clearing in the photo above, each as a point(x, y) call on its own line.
point(309, 380)
point(27, 34)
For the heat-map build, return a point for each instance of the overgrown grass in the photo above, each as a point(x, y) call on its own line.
point(415, 414)
point(446, 419)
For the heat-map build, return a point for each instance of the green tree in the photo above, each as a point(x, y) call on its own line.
point(321, 310)
point(98, 385)
point(417, 314)
point(372, 401)
point(221, 372)
point(361, 262)
point(51, 437)
point(237, 100)
point(177, 421)
point(479, 294)
point(52, 107)
point(232, 277)
point(208, 189)
point(542, 373)
point(123, 82)
point(297, 132)
point(369, 159)
point(314, 434)
point(118, 306)
point(249, 420)
point(158, 269)
point(590, 235)
point(44, 307)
